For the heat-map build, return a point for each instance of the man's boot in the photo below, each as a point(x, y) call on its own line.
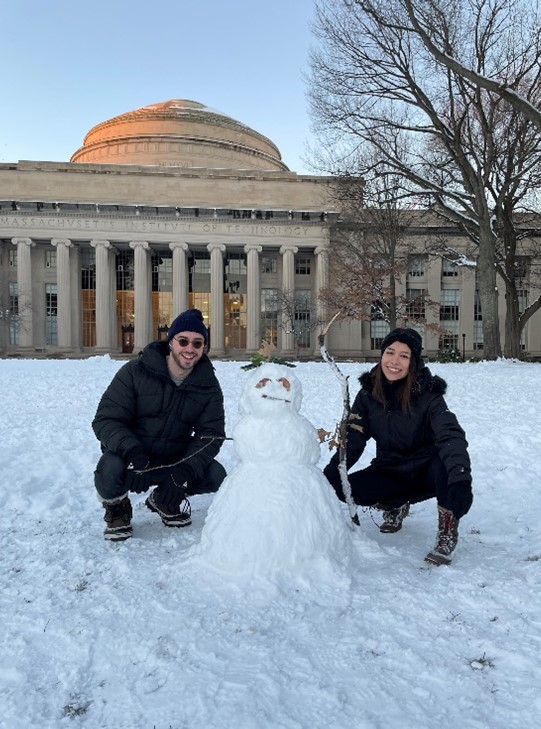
point(179, 517)
point(393, 518)
point(447, 538)
point(118, 516)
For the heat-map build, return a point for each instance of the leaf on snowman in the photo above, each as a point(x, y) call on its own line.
point(267, 350)
point(266, 353)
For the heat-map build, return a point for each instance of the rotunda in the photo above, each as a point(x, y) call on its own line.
point(179, 133)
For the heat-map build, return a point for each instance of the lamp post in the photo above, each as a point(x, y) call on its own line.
point(463, 347)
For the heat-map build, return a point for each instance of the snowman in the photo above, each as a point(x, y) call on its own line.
point(275, 511)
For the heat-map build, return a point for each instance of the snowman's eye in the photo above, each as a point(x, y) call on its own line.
point(262, 382)
point(285, 382)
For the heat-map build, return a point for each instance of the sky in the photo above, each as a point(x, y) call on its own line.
point(68, 66)
point(151, 633)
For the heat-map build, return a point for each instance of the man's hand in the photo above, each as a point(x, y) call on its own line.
point(136, 461)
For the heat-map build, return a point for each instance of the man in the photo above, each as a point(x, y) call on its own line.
point(161, 423)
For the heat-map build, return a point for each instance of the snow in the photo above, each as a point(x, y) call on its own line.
point(137, 635)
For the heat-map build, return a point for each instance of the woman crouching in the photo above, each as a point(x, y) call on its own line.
point(421, 450)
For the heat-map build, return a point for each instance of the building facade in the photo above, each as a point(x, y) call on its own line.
point(175, 206)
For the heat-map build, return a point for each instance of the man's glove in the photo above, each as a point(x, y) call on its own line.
point(136, 460)
point(173, 486)
point(460, 498)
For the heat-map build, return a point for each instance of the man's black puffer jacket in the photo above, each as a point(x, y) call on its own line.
point(405, 441)
point(144, 408)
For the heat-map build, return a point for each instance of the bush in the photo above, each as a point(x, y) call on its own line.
point(449, 355)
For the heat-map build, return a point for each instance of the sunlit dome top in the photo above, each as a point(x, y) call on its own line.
point(179, 133)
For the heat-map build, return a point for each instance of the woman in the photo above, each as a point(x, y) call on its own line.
point(421, 450)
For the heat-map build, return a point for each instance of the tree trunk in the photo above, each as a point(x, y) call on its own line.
point(488, 293)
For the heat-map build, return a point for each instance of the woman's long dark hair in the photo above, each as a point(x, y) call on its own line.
point(404, 388)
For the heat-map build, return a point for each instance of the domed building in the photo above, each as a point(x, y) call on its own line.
point(170, 206)
point(177, 205)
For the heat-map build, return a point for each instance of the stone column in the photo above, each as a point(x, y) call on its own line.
point(24, 290)
point(322, 282)
point(288, 290)
point(142, 294)
point(180, 277)
point(253, 335)
point(216, 251)
point(63, 283)
point(111, 264)
point(103, 295)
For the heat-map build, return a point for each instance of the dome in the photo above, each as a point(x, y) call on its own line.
point(179, 133)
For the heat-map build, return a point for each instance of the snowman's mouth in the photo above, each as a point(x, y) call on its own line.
point(271, 397)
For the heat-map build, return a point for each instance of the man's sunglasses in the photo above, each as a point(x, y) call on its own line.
point(184, 341)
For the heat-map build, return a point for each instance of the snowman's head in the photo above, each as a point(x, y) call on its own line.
point(271, 389)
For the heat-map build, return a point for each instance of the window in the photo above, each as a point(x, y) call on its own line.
point(449, 305)
point(13, 312)
point(268, 264)
point(477, 322)
point(302, 266)
point(162, 292)
point(201, 264)
point(236, 264)
point(449, 316)
point(522, 265)
point(449, 268)
point(12, 257)
point(303, 305)
point(162, 272)
point(269, 315)
point(51, 315)
point(378, 331)
point(88, 268)
point(124, 271)
point(522, 296)
point(235, 274)
point(416, 303)
point(50, 259)
point(416, 266)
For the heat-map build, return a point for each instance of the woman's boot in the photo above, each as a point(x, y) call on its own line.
point(447, 538)
point(393, 518)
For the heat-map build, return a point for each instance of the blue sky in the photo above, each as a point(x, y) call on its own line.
point(68, 65)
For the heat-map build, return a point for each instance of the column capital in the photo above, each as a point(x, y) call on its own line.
point(96, 242)
point(139, 244)
point(23, 241)
point(253, 247)
point(287, 248)
point(61, 242)
point(178, 245)
point(216, 247)
point(322, 249)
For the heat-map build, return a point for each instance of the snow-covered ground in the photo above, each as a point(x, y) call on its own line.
point(134, 636)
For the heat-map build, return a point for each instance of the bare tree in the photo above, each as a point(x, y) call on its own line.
point(372, 253)
point(297, 315)
point(374, 82)
point(506, 83)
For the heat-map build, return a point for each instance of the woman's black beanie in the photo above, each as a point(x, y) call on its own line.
point(406, 336)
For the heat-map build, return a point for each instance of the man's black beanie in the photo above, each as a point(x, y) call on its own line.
point(406, 336)
point(188, 321)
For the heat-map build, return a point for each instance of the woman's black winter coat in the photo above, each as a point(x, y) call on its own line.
point(144, 408)
point(406, 441)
